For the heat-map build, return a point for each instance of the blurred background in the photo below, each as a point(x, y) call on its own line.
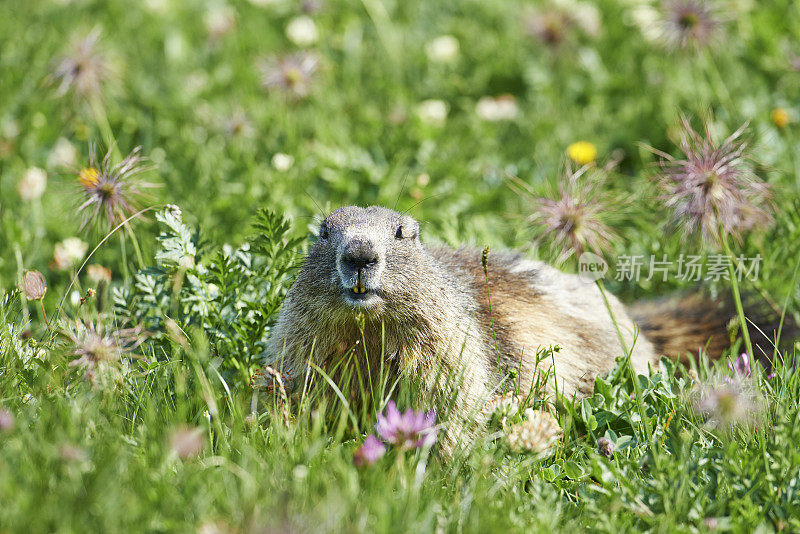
point(431, 106)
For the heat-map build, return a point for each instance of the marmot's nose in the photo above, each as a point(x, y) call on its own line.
point(359, 254)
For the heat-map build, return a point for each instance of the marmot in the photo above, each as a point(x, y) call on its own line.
point(429, 311)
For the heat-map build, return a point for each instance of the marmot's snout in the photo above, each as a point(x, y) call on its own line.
point(360, 263)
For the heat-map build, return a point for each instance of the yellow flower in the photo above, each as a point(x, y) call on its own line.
point(780, 117)
point(88, 177)
point(582, 152)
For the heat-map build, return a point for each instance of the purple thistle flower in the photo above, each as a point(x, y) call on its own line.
point(712, 186)
point(407, 430)
point(370, 452)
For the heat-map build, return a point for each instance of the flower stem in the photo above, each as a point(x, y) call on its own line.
point(737, 296)
point(637, 388)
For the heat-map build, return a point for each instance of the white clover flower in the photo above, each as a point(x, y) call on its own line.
point(503, 107)
point(63, 154)
point(219, 20)
point(302, 31)
point(432, 112)
point(443, 49)
point(537, 433)
point(68, 252)
point(282, 162)
point(32, 184)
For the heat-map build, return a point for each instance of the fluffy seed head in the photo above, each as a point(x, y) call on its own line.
point(689, 23)
point(111, 190)
point(573, 221)
point(291, 74)
point(712, 186)
point(84, 69)
point(99, 349)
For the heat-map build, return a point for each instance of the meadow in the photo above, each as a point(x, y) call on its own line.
point(165, 165)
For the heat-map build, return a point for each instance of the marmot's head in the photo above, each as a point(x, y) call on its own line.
point(365, 260)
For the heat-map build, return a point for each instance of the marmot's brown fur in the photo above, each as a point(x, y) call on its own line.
point(427, 312)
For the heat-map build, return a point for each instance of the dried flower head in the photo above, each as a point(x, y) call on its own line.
point(537, 433)
point(573, 220)
point(689, 23)
point(33, 285)
point(187, 442)
point(84, 69)
point(6, 420)
point(99, 350)
point(407, 430)
point(712, 187)
point(97, 273)
point(291, 74)
point(111, 189)
point(370, 452)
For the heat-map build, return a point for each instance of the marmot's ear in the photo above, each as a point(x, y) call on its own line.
point(410, 227)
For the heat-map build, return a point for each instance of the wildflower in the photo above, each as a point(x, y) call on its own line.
point(408, 430)
point(110, 189)
point(432, 112)
point(728, 404)
point(712, 186)
point(739, 367)
point(33, 285)
point(238, 125)
point(582, 152)
point(68, 252)
point(71, 453)
point(505, 404)
point(292, 74)
point(98, 273)
point(33, 184)
point(537, 433)
point(780, 117)
point(99, 349)
point(187, 442)
point(219, 20)
point(63, 154)
point(683, 24)
point(302, 31)
point(282, 162)
point(6, 420)
point(370, 452)
point(84, 69)
point(555, 22)
point(443, 49)
point(574, 219)
point(605, 447)
point(503, 107)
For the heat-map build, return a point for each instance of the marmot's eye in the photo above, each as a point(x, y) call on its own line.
point(399, 233)
point(323, 232)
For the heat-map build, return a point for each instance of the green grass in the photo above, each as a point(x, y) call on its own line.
point(84, 457)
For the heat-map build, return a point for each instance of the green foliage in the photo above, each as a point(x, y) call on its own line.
point(233, 295)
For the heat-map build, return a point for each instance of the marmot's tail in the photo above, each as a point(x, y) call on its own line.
point(689, 323)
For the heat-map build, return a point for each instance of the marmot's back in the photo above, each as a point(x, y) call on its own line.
point(534, 306)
